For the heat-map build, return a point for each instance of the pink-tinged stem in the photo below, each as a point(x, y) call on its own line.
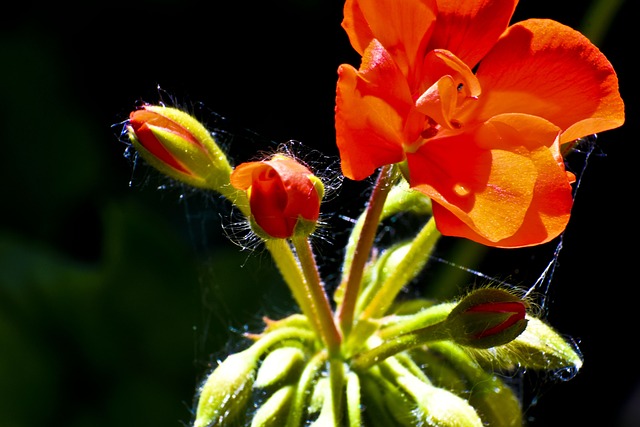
point(317, 294)
point(353, 276)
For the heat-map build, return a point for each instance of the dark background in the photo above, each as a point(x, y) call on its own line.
point(115, 294)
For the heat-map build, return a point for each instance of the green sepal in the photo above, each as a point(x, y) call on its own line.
point(304, 227)
point(539, 347)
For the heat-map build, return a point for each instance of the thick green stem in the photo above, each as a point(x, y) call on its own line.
point(355, 270)
point(317, 294)
point(405, 271)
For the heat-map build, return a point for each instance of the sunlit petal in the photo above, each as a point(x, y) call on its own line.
point(544, 68)
point(470, 28)
point(369, 116)
point(499, 182)
point(402, 27)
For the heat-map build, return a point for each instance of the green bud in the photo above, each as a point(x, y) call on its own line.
point(273, 412)
point(439, 407)
point(487, 318)
point(280, 366)
point(376, 411)
point(402, 198)
point(320, 395)
point(322, 401)
point(305, 388)
point(227, 391)
point(378, 272)
point(495, 401)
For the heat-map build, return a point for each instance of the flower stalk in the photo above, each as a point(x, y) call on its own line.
point(355, 269)
point(317, 295)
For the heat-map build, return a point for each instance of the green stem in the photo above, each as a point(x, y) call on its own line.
point(292, 273)
point(362, 251)
point(337, 379)
point(405, 271)
point(317, 294)
point(367, 359)
point(399, 325)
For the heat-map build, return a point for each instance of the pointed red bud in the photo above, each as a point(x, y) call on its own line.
point(179, 146)
point(487, 318)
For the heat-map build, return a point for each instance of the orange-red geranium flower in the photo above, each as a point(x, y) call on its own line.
point(476, 108)
point(283, 194)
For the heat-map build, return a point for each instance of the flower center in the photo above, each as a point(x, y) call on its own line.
point(451, 90)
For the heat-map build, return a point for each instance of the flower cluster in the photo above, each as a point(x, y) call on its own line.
point(465, 120)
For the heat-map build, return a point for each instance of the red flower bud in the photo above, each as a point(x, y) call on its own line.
point(284, 196)
point(513, 311)
point(179, 146)
point(487, 318)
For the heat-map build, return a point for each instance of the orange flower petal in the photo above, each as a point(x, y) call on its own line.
point(544, 68)
point(469, 28)
point(369, 116)
point(402, 27)
point(303, 198)
point(500, 185)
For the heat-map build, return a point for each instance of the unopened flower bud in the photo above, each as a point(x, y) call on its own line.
point(438, 406)
point(227, 391)
point(284, 196)
point(273, 412)
point(487, 318)
point(179, 146)
point(280, 365)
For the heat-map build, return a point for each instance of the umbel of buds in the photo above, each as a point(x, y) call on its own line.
point(374, 361)
point(426, 365)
